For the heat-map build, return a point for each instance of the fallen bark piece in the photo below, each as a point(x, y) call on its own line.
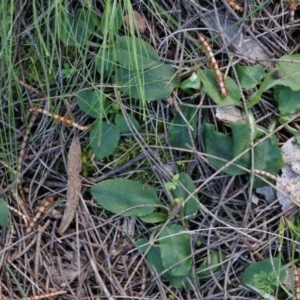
point(74, 184)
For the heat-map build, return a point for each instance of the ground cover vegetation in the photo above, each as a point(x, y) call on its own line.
point(135, 137)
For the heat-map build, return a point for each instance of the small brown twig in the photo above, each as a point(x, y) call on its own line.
point(43, 209)
point(45, 295)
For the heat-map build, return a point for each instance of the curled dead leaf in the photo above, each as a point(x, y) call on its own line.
point(139, 21)
point(73, 186)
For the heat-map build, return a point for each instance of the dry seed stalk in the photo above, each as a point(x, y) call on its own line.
point(235, 6)
point(64, 119)
point(214, 65)
point(293, 196)
point(45, 295)
point(297, 283)
point(20, 214)
point(43, 209)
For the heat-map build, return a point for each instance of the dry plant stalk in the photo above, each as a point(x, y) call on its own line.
point(235, 5)
point(20, 214)
point(64, 119)
point(19, 193)
point(43, 209)
point(214, 65)
point(45, 295)
point(296, 283)
point(74, 184)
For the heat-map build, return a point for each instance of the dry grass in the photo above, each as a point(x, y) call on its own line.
point(92, 259)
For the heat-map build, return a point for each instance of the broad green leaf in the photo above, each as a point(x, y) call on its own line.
point(4, 214)
point(179, 133)
point(175, 247)
point(183, 189)
point(270, 81)
point(93, 103)
point(105, 64)
point(155, 265)
point(250, 76)
point(264, 275)
point(135, 54)
point(290, 71)
point(225, 147)
point(156, 217)
point(154, 83)
point(75, 31)
point(240, 138)
point(288, 100)
point(104, 138)
point(285, 73)
point(211, 264)
point(122, 124)
point(111, 20)
point(267, 155)
point(125, 197)
point(208, 78)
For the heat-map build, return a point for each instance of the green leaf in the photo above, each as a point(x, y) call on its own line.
point(112, 18)
point(212, 263)
point(249, 76)
point(4, 214)
point(155, 265)
point(267, 155)
point(156, 217)
point(289, 71)
point(135, 54)
point(93, 103)
point(141, 74)
point(288, 100)
point(285, 73)
point(104, 138)
point(264, 275)
point(227, 147)
point(174, 248)
point(270, 81)
point(149, 84)
point(75, 31)
point(290, 129)
point(104, 62)
point(191, 84)
point(183, 189)
point(122, 124)
point(121, 196)
point(179, 132)
point(208, 78)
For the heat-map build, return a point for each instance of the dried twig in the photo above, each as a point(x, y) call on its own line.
point(45, 295)
point(44, 208)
